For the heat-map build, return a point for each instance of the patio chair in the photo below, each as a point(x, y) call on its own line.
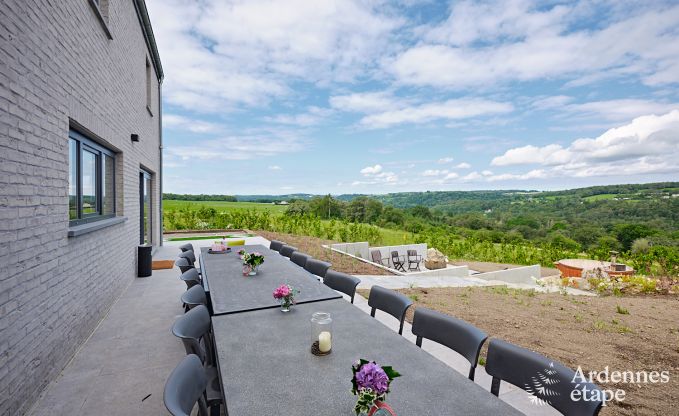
point(376, 256)
point(188, 255)
point(188, 385)
point(317, 267)
point(287, 250)
point(190, 277)
point(391, 302)
point(276, 245)
point(186, 247)
point(193, 328)
point(299, 258)
point(193, 297)
point(184, 265)
point(341, 282)
point(530, 371)
point(398, 261)
point(413, 259)
point(456, 334)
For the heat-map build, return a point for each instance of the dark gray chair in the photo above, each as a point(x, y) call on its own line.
point(391, 302)
point(188, 255)
point(376, 256)
point(341, 282)
point(186, 247)
point(456, 334)
point(185, 387)
point(193, 297)
point(276, 245)
point(287, 250)
point(548, 380)
point(184, 265)
point(398, 261)
point(414, 260)
point(193, 328)
point(191, 277)
point(299, 258)
point(317, 267)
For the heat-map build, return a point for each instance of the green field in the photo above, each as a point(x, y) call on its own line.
point(224, 206)
point(600, 197)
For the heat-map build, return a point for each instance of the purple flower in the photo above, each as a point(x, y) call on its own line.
point(372, 376)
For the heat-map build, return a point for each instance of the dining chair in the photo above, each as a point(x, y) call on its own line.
point(188, 385)
point(414, 260)
point(186, 247)
point(550, 381)
point(398, 261)
point(235, 243)
point(184, 264)
point(341, 282)
point(276, 245)
point(188, 255)
point(299, 258)
point(193, 328)
point(317, 267)
point(190, 277)
point(376, 256)
point(194, 296)
point(287, 250)
point(391, 302)
point(456, 334)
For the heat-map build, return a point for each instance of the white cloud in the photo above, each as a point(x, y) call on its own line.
point(649, 144)
point(463, 165)
point(275, 167)
point(616, 110)
point(366, 102)
point(434, 172)
point(312, 116)
point(447, 110)
point(371, 170)
point(482, 44)
point(445, 160)
point(178, 122)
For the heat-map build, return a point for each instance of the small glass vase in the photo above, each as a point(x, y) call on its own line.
point(286, 304)
point(380, 409)
point(246, 269)
point(253, 271)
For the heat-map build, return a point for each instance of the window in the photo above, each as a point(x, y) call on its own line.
point(145, 204)
point(149, 99)
point(91, 183)
point(100, 8)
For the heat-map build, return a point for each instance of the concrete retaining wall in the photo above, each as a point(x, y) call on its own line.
point(526, 274)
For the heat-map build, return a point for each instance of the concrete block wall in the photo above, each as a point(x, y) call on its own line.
point(59, 68)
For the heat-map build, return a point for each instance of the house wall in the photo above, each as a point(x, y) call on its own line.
point(58, 67)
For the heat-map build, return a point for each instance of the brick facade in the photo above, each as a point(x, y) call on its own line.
point(59, 68)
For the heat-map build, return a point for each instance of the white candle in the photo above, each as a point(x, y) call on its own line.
point(324, 342)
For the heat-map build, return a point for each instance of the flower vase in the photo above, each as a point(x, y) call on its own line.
point(246, 270)
point(381, 409)
point(253, 271)
point(285, 305)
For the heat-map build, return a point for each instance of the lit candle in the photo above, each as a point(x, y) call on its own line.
point(324, 342)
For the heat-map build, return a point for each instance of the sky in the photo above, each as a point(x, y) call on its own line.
point(301, 96)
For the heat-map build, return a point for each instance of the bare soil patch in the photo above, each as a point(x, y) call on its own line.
point(591, 332)
point(313, 247)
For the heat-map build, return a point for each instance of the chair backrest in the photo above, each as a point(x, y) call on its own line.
point(186, 247)
point(341, 282)
point(235, 243)
point(317, 267)
point(389, 301)
point(299, 258)
point(185, 387)
point(376, 255)
point(395, 257)
point(548, 380)
point(192, 327)
point(287, 250)
point(276, 245)
point(412, 253)
point(194, 296)
point(188, 255)
point(190, 277)
point(456, 334)
point(183, 264)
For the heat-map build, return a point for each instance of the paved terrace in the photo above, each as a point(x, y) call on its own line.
point(121, 369)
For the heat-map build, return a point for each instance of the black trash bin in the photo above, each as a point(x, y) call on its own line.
point(144, 260)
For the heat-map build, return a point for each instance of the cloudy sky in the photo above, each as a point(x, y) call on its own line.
point(382, 96)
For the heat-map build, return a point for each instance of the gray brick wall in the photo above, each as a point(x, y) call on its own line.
point(57, 66)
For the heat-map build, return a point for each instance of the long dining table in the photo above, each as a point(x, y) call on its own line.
point(266, 366)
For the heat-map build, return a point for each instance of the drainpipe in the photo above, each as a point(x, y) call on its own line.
point(160, 154)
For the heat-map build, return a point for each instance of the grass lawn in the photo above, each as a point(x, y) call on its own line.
point(600, 197)
point(626, 333)
point(225, 206)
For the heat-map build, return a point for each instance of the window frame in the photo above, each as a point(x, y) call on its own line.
point(85, 144)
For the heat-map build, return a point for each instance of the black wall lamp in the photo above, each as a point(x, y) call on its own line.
point(134, 137)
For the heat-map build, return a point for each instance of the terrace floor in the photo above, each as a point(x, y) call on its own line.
point(121, 369)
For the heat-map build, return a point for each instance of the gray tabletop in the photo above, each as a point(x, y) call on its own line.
point(232, 292)
point(266, 367)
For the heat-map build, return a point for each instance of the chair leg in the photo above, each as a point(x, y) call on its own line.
point(372, 312)
point(471, 373)
point(495, 386)
point(400, 329)
point(418, 342)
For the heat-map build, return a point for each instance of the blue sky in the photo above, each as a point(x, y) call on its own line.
point(273, 97)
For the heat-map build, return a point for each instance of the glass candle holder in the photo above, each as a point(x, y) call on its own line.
point(321, 333)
